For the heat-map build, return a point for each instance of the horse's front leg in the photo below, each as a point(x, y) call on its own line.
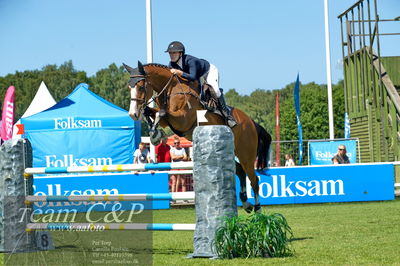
point(154, 133)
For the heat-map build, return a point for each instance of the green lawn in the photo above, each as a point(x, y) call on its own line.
point(340, 233)
point(333, 233)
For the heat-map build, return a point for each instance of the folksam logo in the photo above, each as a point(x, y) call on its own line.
point(321, 152)
point(71, 122)
point(280, 188)
point(68, 160)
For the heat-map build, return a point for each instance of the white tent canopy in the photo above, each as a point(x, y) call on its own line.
point(42, 101)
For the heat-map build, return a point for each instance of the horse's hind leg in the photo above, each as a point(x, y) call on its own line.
point(249, 169)
point(243, 194)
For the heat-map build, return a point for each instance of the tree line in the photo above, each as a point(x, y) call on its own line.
point(111, 84)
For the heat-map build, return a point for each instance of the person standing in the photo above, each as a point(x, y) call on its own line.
point(142, 155)
point(289, 160)
point(178, 154)
point(163, 151)
point(341, 157)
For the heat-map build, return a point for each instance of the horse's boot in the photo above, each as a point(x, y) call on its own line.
point(162, 113)
point(226, 111)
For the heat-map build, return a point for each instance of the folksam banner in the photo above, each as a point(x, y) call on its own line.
point(82, 129)
point(100, 184)
point(321, 152)
point(299, 127)
point(316, 184)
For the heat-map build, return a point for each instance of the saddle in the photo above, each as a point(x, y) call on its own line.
point(209, 101)
point(208, 98)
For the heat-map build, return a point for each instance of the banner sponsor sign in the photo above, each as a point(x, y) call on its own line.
point(7, 117)
point(101, 184)
point(321, 152)
point(339, 183)
point(83, 129)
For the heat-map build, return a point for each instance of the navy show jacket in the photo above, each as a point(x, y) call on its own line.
point(193, 68)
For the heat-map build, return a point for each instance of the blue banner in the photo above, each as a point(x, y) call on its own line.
point(316, 184)
point(82, 147)
point(101, 184)
point(321, 152)
point(299, 127)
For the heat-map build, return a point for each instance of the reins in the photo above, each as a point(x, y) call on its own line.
point(144, 102)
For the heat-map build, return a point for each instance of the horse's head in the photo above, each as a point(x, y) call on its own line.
point(140, 94)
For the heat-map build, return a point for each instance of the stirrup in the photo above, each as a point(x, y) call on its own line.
point(229, 119)
point(231, 122)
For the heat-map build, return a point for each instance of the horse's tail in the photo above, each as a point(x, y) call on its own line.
point(264, 143)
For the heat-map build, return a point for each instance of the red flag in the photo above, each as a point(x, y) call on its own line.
point(21, 129)
point(8, 114)
point(277, 137)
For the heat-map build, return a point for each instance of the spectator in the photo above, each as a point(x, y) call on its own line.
point(142, 154)
point(163, 151)
point(289, 160)
point(178, 154)
point(341, 157)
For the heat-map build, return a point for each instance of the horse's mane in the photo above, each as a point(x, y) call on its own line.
point(158, 68)
point(165, 71)
point(157, 65)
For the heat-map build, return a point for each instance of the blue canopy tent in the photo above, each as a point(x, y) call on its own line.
point(82, 129)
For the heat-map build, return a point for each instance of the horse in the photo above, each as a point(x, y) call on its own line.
point(182, 99)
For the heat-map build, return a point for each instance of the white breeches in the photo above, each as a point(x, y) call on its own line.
point(211, 78)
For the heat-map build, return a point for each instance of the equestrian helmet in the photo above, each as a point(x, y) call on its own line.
point(175, 46)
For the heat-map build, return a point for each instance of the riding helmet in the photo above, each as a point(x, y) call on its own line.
point(175, 46)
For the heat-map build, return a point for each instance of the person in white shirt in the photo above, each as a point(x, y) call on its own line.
point(289, 160)
point(142, 155)
point(178, 154)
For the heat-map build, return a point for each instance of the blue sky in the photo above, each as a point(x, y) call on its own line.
point(255, 44)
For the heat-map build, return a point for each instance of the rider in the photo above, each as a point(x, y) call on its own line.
point(193, 68)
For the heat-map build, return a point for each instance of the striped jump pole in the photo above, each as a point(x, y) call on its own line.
point(122, 197)
point(214, 186)
point(108, 226)
point(109, 168)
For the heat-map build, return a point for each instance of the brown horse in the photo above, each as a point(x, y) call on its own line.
point(181, 99)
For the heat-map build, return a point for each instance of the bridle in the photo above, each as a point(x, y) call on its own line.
point(144, 100)
point(146, 103)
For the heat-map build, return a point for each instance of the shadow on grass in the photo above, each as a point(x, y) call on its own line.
point(300, 238)
point(172, 251)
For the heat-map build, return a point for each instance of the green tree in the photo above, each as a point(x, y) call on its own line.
point(112, 84)
point(59, 80)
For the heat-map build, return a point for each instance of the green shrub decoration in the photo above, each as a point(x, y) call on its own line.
point(255, 235)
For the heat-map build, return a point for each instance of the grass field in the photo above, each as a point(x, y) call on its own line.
point(333, 233)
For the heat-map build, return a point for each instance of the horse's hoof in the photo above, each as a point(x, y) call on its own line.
point(243, 197)
point(257, 208)
point(247, 207)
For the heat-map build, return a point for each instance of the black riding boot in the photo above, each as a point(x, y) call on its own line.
point(226, 112)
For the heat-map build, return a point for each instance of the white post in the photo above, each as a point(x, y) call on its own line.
point(149, 32)
point(328, 72)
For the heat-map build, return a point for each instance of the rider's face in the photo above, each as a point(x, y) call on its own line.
point(174, 56)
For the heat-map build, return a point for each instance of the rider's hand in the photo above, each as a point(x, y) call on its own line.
point(176, 72)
